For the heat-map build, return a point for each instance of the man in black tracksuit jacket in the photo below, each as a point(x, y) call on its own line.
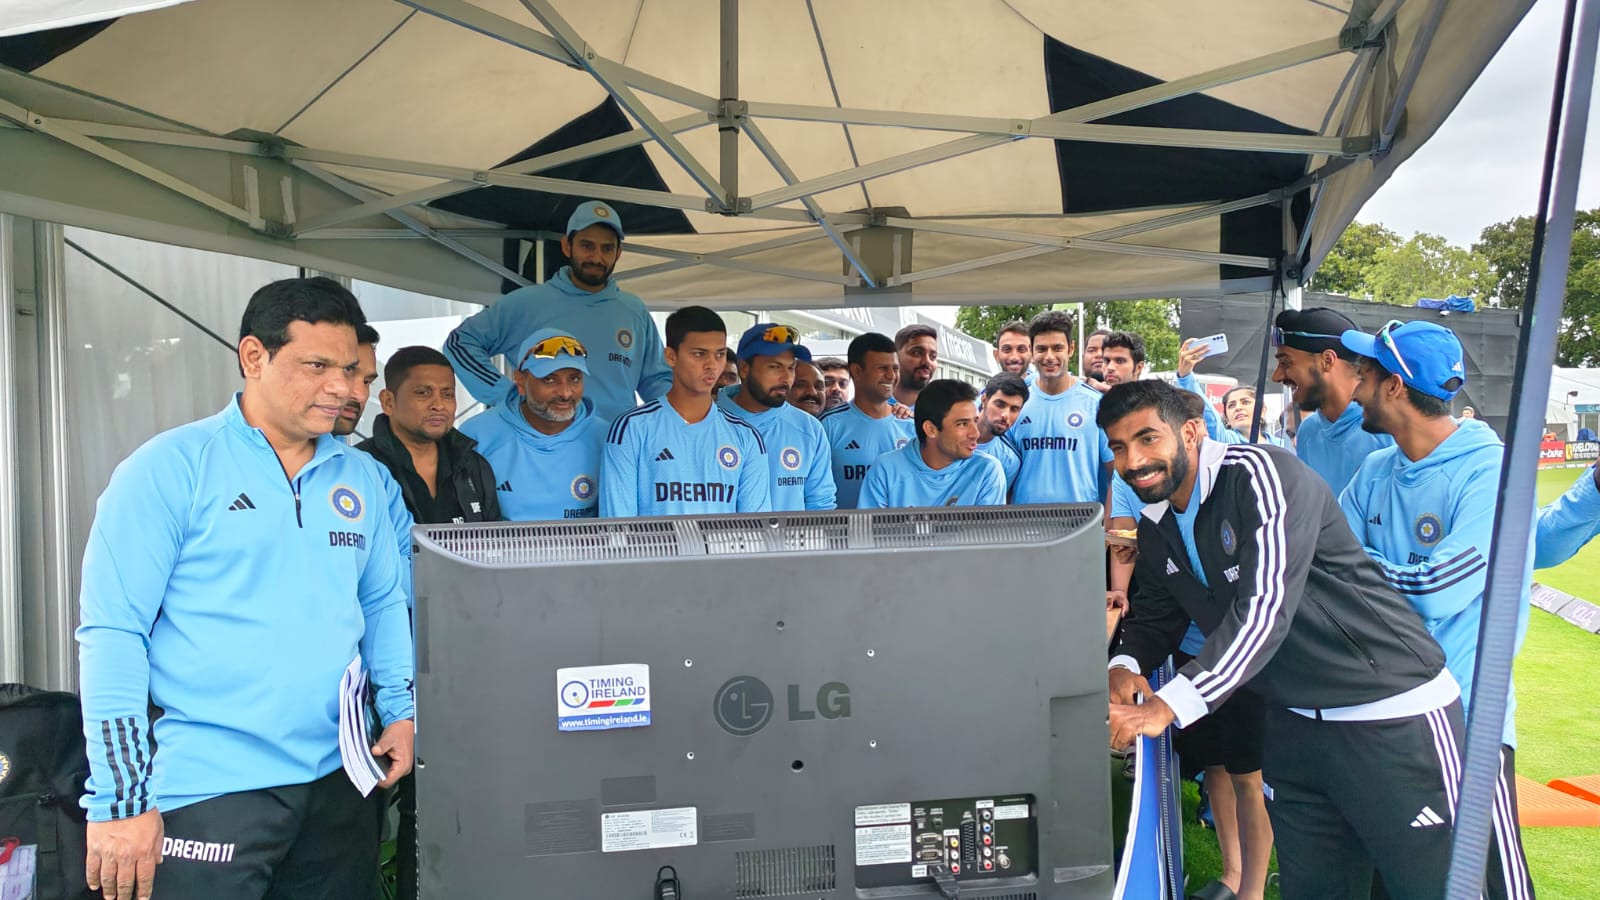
point(1362, 744)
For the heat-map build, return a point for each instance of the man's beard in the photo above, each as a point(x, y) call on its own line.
point(582, 276)
point(1176, 468)
point(1314, 396)
point(1097, 372)
point(541, 411)
point(343, 427)
point(910, 380)
point(1369, 418)
point(762, 397)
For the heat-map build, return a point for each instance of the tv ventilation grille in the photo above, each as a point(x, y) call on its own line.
point(785, 872)
point(520, 544)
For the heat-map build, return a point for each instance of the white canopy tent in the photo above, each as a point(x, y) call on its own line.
point(804, 153)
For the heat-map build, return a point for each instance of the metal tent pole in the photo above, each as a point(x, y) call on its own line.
point(1503, 595)
point(10, 521)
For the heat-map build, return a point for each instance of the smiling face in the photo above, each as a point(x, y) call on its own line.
point(876, 376)
point(808, 389)
point(1013, 352)
point(299, 391)
point(1305, 375)
point(957, 436)
point(553, 398)
point(1150, 456)
point(593, 254)
point(1052, 353)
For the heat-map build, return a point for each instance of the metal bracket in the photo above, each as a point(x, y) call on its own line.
point(1358, 145)
point(1354, 37)
point(729, 112)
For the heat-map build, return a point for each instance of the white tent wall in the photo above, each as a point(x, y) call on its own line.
point(129, 368)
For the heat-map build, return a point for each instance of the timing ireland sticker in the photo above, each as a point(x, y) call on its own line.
point(599, 698)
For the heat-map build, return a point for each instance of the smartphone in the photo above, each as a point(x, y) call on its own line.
point(1217, 342)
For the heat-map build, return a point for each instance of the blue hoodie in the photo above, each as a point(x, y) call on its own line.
point(1568, 523)
point(900, 478)
point(1428, 525)
point(542, 476)
point(798, 454)
point(624, 346)
point(232, 599)
point(1336, 450)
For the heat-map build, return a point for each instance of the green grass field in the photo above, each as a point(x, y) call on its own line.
point(1558, 731)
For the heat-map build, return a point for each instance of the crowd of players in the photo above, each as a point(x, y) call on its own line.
point(1322, 602)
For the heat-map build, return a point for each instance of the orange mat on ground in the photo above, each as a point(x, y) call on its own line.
point(1540, 806)
point(1584, 787)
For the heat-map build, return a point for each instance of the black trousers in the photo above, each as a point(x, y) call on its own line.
point(316, 841)
point(1348, 797)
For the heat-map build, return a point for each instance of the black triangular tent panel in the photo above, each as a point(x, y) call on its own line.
point(539, 210)
point(27, 52)
point(1103, 177)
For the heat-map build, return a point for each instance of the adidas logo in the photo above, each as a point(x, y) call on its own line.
point(1026, 420)
point(664, 455)
point(852, 446)
point(1172, 567)
point(504, 486)
point(1427, 819)
point(242, 502)
point(1376, 519)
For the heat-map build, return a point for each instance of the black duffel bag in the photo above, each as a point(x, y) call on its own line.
point(43, 768)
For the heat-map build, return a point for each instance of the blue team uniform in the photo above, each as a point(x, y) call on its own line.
point(233, 599)
point(1215, 429)
point(1568, 523)
point(542, 476)
point(902, 478)
point(1063, 451)
point(624, 346)
point(1336, 450)
point(1428, 524)
point(1000, 449)
point(797, 453)
point(657, 464)
point(856, 441)
point(1125, 504)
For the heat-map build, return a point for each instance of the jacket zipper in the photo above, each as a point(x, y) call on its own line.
point(1348, 636)
point(294, 488)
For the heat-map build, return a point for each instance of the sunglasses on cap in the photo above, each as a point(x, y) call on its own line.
point(781, 334)
point(1388, 341)
point(550, 348)
point(1278, 336)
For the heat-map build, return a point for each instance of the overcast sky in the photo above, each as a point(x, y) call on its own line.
point(1482, 166)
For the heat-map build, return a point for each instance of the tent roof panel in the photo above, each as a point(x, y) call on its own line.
point(150, 61)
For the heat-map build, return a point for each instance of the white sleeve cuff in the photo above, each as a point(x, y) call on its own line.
point(1184, 699)
point(1124, 662)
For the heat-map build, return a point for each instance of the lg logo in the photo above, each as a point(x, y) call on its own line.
point(744, 704)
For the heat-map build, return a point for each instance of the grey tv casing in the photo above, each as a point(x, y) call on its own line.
point(971, 642)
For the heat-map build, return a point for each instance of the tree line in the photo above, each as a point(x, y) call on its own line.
point(1370, 261)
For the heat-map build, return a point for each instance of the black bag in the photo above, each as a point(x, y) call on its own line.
point(43, 768)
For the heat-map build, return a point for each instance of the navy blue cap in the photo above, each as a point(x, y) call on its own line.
point(771, 339)
point(1425, 355)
